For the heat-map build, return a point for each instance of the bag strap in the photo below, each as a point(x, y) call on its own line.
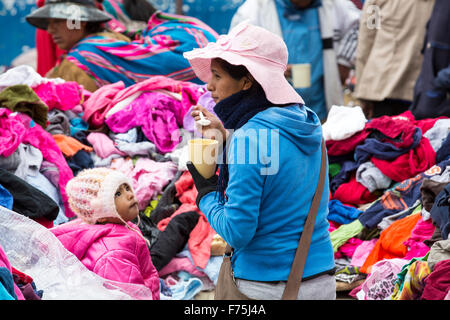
point(295, 276)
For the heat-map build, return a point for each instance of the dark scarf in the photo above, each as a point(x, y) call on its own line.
point(234, 112)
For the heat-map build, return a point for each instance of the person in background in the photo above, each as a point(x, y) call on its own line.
point(259, 206)
point(432, 89)
point(388, 57)
point(97, 56)
point(47, 51)
point(321, 33)
point(124, 18)
point(102, 236)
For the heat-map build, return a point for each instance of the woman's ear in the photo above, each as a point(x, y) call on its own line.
point(247, 82)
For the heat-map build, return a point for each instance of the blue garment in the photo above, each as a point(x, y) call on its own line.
point(440, 212)
point(7, 282)
point(274, 165)
point(6, 199)
point(372, 147)
point(444, 151)
point(158, 51)
point(340, 213)
point(301, 33)
point(398, 199)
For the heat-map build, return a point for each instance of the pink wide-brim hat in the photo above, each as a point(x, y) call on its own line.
point(262, 52)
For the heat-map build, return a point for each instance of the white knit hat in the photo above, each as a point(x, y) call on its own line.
point(91, 193)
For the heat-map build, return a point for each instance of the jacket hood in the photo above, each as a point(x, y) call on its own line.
point(297, 123)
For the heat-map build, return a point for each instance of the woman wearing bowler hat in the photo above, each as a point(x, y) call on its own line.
point(97, 56)
point(272, 153)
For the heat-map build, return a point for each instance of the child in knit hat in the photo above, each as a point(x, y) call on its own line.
point(103, 237)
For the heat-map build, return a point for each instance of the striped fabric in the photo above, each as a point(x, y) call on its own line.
point(157, 51)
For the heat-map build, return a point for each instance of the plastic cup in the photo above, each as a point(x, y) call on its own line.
point(203, 154)
point(301, 75)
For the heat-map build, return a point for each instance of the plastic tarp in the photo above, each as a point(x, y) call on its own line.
point(34, 250)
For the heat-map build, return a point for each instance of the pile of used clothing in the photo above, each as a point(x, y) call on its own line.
point(389, 213)
point(51, 129)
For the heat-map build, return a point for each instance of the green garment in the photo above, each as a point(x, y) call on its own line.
point(346, 231)
point(21, 98)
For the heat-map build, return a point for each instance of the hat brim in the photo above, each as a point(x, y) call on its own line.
point(66, 10)
point(270, 76)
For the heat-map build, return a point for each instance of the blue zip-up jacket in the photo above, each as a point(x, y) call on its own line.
point(274, 165)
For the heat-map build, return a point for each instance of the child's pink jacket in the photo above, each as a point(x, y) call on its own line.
point(112, 251)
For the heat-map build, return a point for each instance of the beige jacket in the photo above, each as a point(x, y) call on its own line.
point(388, 56)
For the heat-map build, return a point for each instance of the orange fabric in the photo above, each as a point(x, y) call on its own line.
point(69, 146)
point(390, 244)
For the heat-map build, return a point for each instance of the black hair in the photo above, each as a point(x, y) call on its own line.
point(237, 72)
point(94, 27)
point(139, 10)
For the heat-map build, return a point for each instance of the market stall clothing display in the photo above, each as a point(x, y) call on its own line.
point(389, 177)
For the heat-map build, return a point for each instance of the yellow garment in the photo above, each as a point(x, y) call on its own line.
point(410, 283)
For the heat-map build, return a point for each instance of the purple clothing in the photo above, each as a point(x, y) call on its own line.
point(207, 102)
point(159, 116)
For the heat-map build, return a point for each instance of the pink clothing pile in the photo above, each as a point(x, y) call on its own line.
point(109, 96)
point(158, 115)
point(16, 128)
point(62, 96)
point(149, 177)
point(103, 145)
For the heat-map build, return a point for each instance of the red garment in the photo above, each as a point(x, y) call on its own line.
point(437, 283)
point(44, 222)
point(401, 127)
point(200, 238)
point(427, 124)
point(409, 164)
point(346, 146)
point(353, 193)
point(23, 278)
point(48, 52)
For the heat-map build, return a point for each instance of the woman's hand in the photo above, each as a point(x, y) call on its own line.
point(215, 130)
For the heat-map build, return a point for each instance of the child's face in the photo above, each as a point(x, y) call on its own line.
point(126, 203)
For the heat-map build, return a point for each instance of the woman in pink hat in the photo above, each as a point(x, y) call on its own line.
point(272, 152)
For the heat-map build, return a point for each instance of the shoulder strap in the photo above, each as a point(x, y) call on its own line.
point(295, 276)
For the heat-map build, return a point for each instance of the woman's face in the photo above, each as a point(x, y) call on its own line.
point(126, 203)
point(64, 33)
point(222, 85)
